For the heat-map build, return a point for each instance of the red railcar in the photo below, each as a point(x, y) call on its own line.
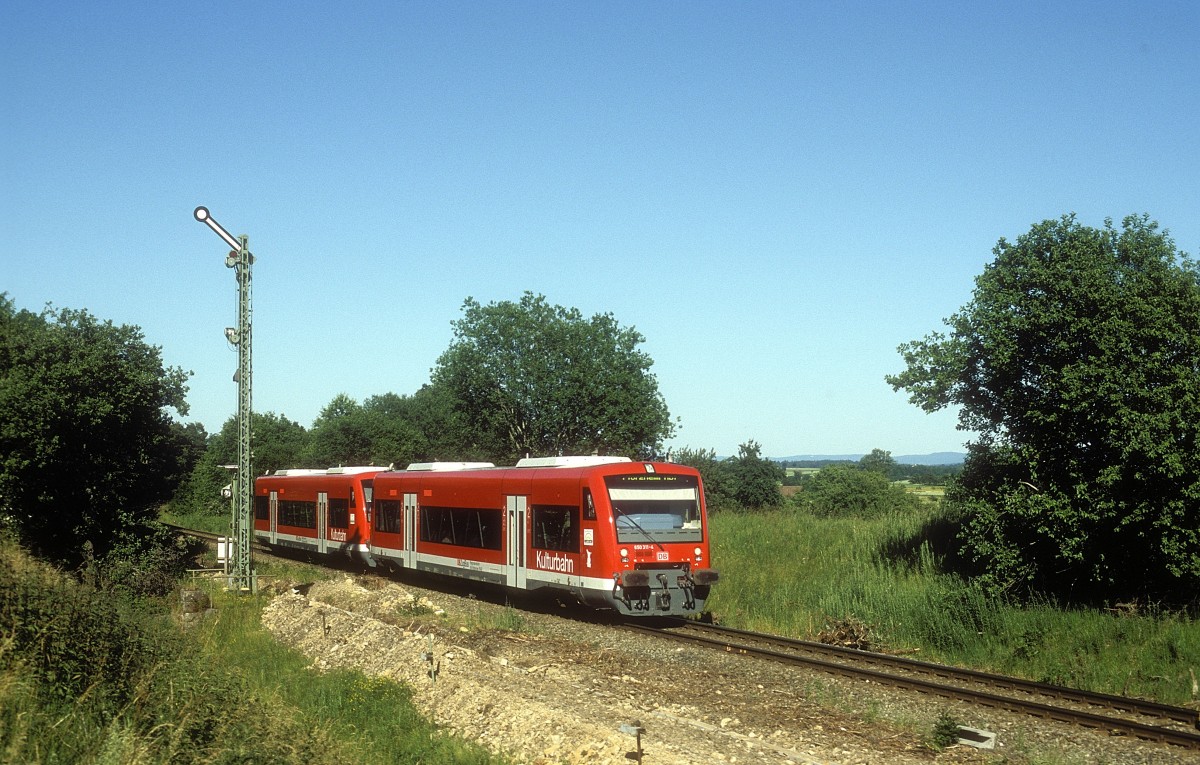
point(319, 511)
point(632, 536)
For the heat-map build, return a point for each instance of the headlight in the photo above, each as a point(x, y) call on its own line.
point(624, 553)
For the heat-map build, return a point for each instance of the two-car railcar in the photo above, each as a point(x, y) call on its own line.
point(613, 533)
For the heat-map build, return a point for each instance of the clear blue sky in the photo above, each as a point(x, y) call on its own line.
point(775, 194)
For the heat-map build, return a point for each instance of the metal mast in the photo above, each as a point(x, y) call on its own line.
point(237, 563)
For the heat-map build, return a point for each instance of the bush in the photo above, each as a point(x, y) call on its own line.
point(845, 490)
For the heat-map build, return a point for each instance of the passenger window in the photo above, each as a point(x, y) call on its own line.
point(556, 527)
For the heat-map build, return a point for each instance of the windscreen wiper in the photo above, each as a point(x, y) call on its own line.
point(638, 526)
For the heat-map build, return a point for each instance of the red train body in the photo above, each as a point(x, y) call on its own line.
point(319, 511)
point(631, 536)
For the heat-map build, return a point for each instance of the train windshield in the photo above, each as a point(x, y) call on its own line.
point(655, 508)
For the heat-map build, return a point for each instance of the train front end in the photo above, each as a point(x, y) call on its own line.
point(656, 541)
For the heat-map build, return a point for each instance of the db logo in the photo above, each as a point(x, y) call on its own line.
point(662, 555)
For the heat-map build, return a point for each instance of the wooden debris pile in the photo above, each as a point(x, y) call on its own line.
point(848, 632)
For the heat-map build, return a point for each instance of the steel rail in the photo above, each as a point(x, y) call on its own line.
point(1125, 726)
point(212, 536)
point(1094, 698)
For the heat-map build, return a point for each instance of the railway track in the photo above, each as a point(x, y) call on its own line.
point(1116, 715)
point(212, 537)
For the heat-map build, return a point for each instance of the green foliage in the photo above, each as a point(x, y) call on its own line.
point(275, 442)
point(149, 564)
point(72, 640)
point(88, 678)
point(1077, 363)
point(341, 435)
point(928, 475)
point(791, 572)
point(847, 490)
point(385, 430)
point(747, 481)
point(878, 461)
point(88, 449)
point(945, 732)
point(755, 480)
point(534, 378)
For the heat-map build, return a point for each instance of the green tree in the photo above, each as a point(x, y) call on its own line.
point(393, 426)
point(275, 443)
point(88, 445)
point(535, 378)
point(843, 489)
point(341, 435)
point(445, 433)
point(878, 461)
point(755, 480)
point(1077, 362)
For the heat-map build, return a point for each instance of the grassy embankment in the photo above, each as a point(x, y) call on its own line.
point(790, 572)
point(89, 677)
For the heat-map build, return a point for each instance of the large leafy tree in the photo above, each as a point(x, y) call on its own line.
point(340, 435)
point(534, 378)
point(878, 461)
point(88, 447)
point(275, 442)
point(756, 480)
point(383, 430)
point(1077, 362)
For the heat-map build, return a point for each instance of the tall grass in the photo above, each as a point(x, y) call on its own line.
point(201, 521)
point(91, 678)
point(373, 719)
point(790, 572)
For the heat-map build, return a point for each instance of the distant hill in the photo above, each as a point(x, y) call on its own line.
point(937, 458)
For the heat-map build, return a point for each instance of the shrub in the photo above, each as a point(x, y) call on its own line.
point(848, 490)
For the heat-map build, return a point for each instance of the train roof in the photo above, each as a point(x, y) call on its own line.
point(569, 461)
point(340, 470)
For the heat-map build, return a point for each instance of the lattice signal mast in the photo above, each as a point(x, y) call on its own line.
point(238, 568)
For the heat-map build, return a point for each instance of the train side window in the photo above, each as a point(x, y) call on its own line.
point(298, 513)
point(463, 526)
point(261, 508)
point(339, 512)
point(556, 527)
point(589, 507)
point(387, 516)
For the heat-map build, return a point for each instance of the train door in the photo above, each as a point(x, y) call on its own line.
point(273, 514)
point(322, 519)
point(410, 531)
point(515, 540)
